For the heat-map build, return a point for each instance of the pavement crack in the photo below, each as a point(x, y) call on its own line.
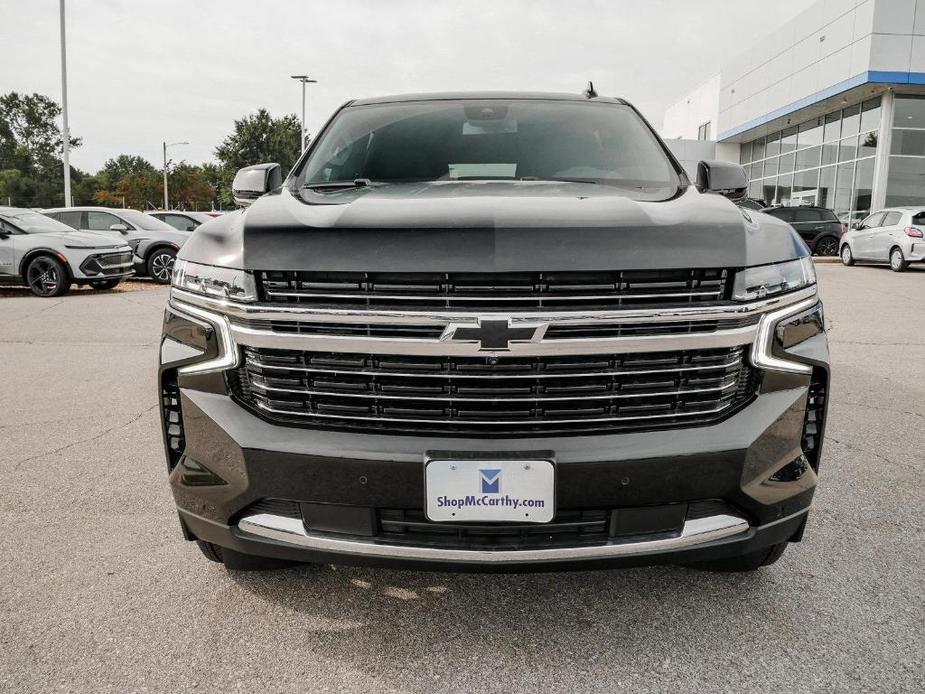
point(89, 439)
point(878, 456)
point(878, 408)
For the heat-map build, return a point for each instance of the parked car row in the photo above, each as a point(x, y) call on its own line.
point(50, 250)
point(895, 235)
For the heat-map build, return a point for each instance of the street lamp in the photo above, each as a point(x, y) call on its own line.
point(66, 134)
point(166, 145)
point(304, 79)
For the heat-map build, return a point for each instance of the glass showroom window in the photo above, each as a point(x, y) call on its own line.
point(906, 179)
point(815, 163)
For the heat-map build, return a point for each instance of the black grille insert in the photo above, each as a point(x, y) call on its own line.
point(494, 396)
point(494, 291)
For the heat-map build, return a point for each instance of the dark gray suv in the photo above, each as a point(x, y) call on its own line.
point(493, 332)
point(819, 227)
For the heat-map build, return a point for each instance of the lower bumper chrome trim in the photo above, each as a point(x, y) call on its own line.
point(292, 531)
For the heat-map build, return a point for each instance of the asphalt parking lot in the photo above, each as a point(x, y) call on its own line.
point(99, 593)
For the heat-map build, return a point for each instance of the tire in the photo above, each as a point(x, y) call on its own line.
point(105, 284)
point(235, 561)
point(46, 276)
point(160, 264)
point(898, 262)
point(744, 562)
point(826, 246)
point(847, 258)
point(211, 552)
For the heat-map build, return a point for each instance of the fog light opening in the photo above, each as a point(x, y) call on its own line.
point(792, 471)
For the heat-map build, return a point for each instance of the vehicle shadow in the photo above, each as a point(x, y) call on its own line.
point(416, 627)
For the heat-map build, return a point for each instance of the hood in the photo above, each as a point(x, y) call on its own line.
point(491, 227)
point(81, 239)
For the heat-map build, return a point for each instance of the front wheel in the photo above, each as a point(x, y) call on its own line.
point(160, 264)
point(827, 245)
point(47, 276)
point(898, 262)
point(846, 257)
point(105, 284)
point(241, 562)
point(751, 561)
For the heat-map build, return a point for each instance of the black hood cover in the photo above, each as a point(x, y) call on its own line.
point(492, 227)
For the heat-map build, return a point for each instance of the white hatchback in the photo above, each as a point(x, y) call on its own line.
point(893, 236)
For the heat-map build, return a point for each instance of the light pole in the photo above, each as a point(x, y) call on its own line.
point(166, 145)
point(304, 79)
point(66, 134)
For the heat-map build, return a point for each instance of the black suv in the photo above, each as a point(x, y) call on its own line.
point(819, 227)
point(493, 332)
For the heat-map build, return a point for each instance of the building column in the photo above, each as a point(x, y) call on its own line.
point(882, 159)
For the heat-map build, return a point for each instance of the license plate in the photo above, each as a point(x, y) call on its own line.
point(490, 490)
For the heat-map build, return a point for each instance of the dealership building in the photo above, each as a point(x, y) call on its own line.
point(829, 110)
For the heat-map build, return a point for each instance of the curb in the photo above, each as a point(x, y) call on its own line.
point(826, 259)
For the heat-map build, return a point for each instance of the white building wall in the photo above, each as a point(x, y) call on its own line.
point(700, 106)
point(827, 44)
point(829, 47)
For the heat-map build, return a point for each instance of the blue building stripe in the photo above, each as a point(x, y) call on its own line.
point(870, 77)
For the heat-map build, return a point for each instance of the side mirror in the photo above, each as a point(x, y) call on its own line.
point(855, 226)
point(723, 178)
point(121, 228)
point(253, 181)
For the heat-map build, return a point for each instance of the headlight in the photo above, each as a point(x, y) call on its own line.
point(767, 280)
point(222, 282)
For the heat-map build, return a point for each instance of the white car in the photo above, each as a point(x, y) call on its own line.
point(49, 256)
point(893, 236)
point(155, 243)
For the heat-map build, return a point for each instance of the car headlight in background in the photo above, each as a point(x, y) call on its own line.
point(211, 280)
point(768, 280)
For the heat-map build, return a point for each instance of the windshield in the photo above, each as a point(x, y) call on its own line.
point(459, 140)
point(34, 222)
point(140, 220)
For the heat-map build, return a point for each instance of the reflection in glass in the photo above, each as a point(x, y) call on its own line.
point(745, 153)
point(848, 149)
point(906, 182)
point(808, 158)
point(868, 144)
point(908, 142)
point(843, 184)
point(786, 163)
point(810, 134)
point(863, 188)
point(829, 153)
point(772, 147)
point(909, 112)
point(771, 166)
point(758, 149)
point(784, 185)
point(826, 196)
point(788, 140)
point(768, 191)
point(832, 127)
point(870, 115)
point(851, 120)
point(805, 186)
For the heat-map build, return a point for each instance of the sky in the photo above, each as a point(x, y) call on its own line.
point(140, 73)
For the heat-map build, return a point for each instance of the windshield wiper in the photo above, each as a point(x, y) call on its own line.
point(558, 179)
point(334, 185)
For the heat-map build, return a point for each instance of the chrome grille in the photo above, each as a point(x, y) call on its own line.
point(493, 396)
point(501, 291)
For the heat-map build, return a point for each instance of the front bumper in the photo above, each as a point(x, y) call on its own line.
point(757, 465)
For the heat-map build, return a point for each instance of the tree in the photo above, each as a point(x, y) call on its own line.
point(256, 139)
point(30, 145)
point(114, 170)
point(28, 125)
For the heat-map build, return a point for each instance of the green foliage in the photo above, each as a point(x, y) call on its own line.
point(257, 138)
point(31, 172)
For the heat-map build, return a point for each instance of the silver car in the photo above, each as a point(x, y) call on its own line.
point(154, 243)
point(893, 236)
point(49, 256)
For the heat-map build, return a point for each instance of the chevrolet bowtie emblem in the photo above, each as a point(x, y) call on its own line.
point(494, 334)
